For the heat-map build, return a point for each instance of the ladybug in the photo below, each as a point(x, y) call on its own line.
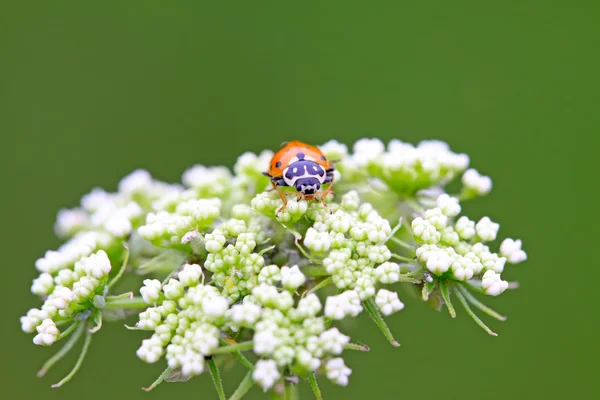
point(301, 166)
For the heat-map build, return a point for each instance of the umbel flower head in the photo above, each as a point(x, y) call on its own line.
point(224, 269)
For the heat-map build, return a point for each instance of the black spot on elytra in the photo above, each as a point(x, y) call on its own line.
point(300, 155)
point(278, 164)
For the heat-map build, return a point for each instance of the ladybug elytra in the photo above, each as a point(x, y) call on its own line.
point(303, 167)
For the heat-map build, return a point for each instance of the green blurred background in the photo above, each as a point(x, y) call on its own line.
point(91, 90)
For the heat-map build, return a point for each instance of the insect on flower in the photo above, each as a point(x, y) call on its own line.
point(301, 166)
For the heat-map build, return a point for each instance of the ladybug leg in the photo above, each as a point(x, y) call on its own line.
point(325, 193)
point(283, 198)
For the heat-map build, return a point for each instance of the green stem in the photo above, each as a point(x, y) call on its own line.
point(315, 386)
point(321, 285)
point(128, 295)
point(314, 271)
point(474, 288)
point(214, 372)
point(84, 350)
point(234, 347)
point(68, 331)
point(378, 319)
point(159, 380)
point(122, 270)
point(402, 258)
point(446, 296)
point(402, 243)
point(263, 251)
point(290, 391)
point(239, 356)
point(305, 253)
point(357, 347)
point(63, 351)
point(471, 299)
point(243, 388)
point(472, 314)
point(394, 230)
point(414, 204)
point(136, 302)
point(407, 279)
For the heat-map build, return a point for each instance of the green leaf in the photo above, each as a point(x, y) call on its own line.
point(378, 319)
point(446, 296)
point(158, 380)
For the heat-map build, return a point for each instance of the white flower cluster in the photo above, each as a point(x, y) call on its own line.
point(254, 269)
point(403, 167)
point(457, 249)
point(65, 290)
point(352, 239)
point(231, 258)
point(286, 336)
point(165, 228)
point(186, 318)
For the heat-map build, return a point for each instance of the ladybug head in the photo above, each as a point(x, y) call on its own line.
point(308, 186)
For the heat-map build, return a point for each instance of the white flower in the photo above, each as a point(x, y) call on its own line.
point(265, 373)
point(334, 150)
point(486, 229)
point(137, 181)
point(43, 284)
point(151, 350)
point(388, 302)
point(477, 183)
point(96, 265)
point(319, 242)
point(366, 150)
point(493, 284)
point(95, 199)
point(84, 288)
point(190, 274)
point(214, 241)
point(388, 272)
point(449, 205)
point(173, 290)
point(450, 236)
point(192, 363)
point(332, 341)
point(265, 342)
point(244, 314)
point(466, 266)
point(269, 274)
point(47, 333)
point(309, 306)
point(149, 319)
point(66, 277)
point(438, 262)
point(292, 278)
point(70, 221)
point(436, 217)
point(491, 261)
point(245, 243)
point(365, 286)
point(214, 306)
point(511, 249)
point(214, 180)
point(342, 305)
point(425, 232)
point(350, 201)
point(151, 290)
point(62, 297)
point(465, 227)
point(337, 371)
point(33, 318)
